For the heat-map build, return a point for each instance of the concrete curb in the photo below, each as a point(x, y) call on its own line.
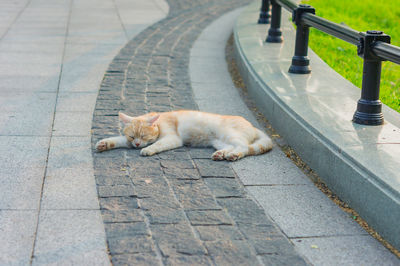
point(351, 159)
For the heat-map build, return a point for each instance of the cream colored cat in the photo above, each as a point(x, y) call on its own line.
point(232, 136)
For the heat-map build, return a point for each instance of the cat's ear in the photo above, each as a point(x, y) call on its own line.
point(153, 119)
point(125, 118)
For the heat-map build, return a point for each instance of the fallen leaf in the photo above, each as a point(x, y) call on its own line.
point(314, 246)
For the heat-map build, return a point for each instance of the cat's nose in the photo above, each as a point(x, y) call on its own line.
point(137, 144)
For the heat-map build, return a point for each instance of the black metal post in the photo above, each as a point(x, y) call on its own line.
point(264, 12)
point(300, 60)
point(274, 32)
point(369, 107)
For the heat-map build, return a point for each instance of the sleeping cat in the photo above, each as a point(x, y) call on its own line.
point(232, 136)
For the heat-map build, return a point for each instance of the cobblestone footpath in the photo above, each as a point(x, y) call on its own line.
point(178, 207)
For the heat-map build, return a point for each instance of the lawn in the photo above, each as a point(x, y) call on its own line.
point(341, 56)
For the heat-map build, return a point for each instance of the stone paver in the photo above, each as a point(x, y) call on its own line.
point(186, 209)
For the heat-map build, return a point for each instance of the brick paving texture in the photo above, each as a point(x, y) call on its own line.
point(178, 207)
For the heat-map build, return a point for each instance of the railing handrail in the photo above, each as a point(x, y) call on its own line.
point(337, 30)
point(287, 4)
point(387, 51)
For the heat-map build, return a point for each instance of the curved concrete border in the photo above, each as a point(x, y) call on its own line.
point(313, 113)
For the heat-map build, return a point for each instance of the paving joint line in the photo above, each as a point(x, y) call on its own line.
point(51, 132)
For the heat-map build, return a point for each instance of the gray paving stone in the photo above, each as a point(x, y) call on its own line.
point(275, 245)
point(122, 230)
point(109, 180)
point(118, 203)
point(173, 164)
point(34, 154)
point(21, 188)
point(274, 168)
point(177, 173)
point(72, 124)
point(225, 187)
point(127, 244)
point(177, 154)
point(151, 187)
point(203, 153)
point(25, 58)
point(113, 167)
point(209, 217)
point(173, 239)
point(345, 250)
point(136, 259)
point(29, 122)
point(274, 259)
point(70, 237)
point(25, 102)
point(32, 69)
point(87, 80)
point(116, 191)
point(70, 152)
point(28, 82)
point(165, 215)
point(122, 216)
point(194, 195)
point(69, 188)
point(260, 231)
point(218, 232)
point(317, 216)
point(209, 168)
point(235, 252)
point(144, 170)
point(76, 102)
point(188, 260)
point(17, 236)
point(244, 210)
point(159, 201)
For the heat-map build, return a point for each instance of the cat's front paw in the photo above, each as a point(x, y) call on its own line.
point(147, 152)
point(101, 146)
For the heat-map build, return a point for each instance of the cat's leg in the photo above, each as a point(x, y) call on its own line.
point(240, 149)
point(222, 149)
point(113, 143)
point(163, 144)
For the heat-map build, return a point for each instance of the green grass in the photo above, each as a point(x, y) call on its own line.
point(361, 16)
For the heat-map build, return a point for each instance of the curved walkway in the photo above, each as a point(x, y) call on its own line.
point(178, 207)
point(53, 55)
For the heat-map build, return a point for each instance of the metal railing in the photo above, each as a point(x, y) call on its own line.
point(373, 46)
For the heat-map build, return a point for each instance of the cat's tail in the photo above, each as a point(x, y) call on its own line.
point(262, 144)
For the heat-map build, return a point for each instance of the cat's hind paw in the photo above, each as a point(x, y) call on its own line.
point(218, 156)
point(233, 156)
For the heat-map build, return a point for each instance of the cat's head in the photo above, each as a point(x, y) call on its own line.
point(141, 131)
